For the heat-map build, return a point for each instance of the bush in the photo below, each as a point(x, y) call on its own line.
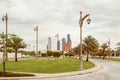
point(32, 53)
point(69, 54)
point(49, 53)
point(43, 55)
point(56, 54)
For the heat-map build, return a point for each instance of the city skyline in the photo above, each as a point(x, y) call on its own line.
point(61, 17)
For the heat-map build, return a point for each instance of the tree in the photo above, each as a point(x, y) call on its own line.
point(104, 46)
point(118, 48)
point(2, 42)
point(16, 43)
point(90, 45)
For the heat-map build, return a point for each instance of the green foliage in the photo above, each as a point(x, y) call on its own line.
point(118, 48)
point(43, 55)
point(49, 53)
point(32, 53)
point(69, 54)
point(56, 54)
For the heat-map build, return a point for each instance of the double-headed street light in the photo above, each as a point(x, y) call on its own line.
point(80, 24)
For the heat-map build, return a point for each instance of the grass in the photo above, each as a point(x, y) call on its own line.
point(45, 65)
point(112, 59)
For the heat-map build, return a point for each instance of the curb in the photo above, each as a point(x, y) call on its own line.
point(42, 76)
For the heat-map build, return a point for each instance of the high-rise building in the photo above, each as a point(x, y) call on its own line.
point(58, 45)
point(49, 43)
point(63, 44)
point(68, 43)
point(68, 38)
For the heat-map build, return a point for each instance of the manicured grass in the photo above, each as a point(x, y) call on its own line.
point(112, 59)
point(45, 65)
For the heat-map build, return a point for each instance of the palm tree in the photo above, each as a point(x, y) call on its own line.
point(90, 44)
point(118, 48)
point(76, 50)
point(16, 43)
point(2, 42)
point(104, 46)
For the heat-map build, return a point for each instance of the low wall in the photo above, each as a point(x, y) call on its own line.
point(10, 55)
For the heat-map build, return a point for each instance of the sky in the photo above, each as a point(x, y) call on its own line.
point(62, 17)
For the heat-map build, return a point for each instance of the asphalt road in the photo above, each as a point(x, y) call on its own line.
point(110, 71)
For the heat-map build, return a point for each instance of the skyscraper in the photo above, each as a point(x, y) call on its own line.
point(68, 38)
point(58, 41)
point(58, 45)
point(68, 44)
point(63, 44)
point(49, 43)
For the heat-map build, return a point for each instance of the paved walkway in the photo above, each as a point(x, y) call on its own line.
point(41, 76)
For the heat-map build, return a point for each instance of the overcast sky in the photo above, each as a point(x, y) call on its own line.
point(61, 16)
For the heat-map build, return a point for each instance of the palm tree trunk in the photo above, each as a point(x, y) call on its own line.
point(87, 59)
point(15, 55)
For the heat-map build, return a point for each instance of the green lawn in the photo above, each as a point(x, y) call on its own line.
point(112, 59)
point(115, 59)
point(45, 65)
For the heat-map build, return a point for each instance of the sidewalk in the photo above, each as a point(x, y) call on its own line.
point(41, 76)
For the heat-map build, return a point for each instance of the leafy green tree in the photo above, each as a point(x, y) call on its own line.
point(2, 43)
point(16, 43)
point(90, 44)
point(104, 46)
point(118, 48)
point(76, 50)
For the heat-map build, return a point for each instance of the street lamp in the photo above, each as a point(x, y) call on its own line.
point(36, 29)
point(5, 53)
point(109, 47)
point(80, 24)
point(6, 18)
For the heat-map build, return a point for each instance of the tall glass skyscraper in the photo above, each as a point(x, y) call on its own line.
point(63, 44)
point(68, 43)
point(58, 45)
point(49, 43)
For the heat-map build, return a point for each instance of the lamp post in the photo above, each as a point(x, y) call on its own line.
point(109, 47)
point(5, 53)
point(36, 29)
point(82, 18)
point(6, 19)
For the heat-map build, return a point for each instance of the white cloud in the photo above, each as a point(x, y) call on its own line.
point(55, 16)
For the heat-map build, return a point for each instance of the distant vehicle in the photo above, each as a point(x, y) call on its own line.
point(24, 56)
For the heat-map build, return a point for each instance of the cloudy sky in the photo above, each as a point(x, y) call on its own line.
point(61, 16)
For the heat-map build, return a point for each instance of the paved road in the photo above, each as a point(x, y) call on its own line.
point(110, 71)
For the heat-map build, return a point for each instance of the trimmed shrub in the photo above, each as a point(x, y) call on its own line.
point(49, 53)
point(56, 54)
